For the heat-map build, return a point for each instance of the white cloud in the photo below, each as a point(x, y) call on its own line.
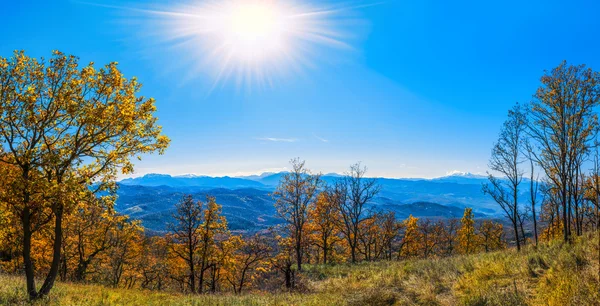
point(273, 139)
point(321, 138)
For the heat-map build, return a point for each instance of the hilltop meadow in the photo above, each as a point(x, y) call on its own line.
point(551, 274)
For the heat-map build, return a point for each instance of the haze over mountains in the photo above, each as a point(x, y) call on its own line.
point(248, 205)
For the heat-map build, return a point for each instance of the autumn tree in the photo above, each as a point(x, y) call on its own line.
point(354, 191)
point(64, 129)
point(248, 257)
point(213, 225)
point(295, 195)
point(449, 236)
point(186, 236)
point(466, 233)
point(283, 259)
point(562, 123)
point(550, 213)
point(431, 234)
point(388, 233)
point(9, 229)
point(153, 264)
point(87, 235)
point(410, 244)
point(491, 235)
point(223, 259)
point(506, 159)
point(377, 235)
point(121, 262)
point(323, 218)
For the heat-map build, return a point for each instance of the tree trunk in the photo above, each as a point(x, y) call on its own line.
point(201, 277)
point(288, 278)
point(533, 190)
point(522, 232)
point(29, 274)
point(517, 235)
point(213, 284)
point(51, 277)
point(569, 212)
point(564, 217)
point(516, 217)
point(299, 252)
point(242, 280)
point(192, 282)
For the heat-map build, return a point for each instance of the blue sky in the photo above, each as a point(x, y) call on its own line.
point(421, 92)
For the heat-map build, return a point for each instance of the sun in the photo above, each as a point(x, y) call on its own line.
point(254, 31)
point(251, 42)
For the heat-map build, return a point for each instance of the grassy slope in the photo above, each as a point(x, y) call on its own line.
point(553, 275)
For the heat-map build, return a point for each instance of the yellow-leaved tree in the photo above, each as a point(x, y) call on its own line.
point(491, 235)
point(68, 131)
point(247, 261)
point(410, 242)
point(214, 224)
point(467, 238)
point(323, 218)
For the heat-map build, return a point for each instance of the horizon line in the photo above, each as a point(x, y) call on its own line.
point(245, 175)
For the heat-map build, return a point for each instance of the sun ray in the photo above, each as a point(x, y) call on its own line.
point(251, 43)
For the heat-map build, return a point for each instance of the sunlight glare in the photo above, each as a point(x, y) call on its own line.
point(253, 42)
point(254, 31)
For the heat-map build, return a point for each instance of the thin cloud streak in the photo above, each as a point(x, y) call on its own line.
point(321, 138)
point(273, 139)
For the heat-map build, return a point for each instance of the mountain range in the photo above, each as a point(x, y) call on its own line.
point(248, 205)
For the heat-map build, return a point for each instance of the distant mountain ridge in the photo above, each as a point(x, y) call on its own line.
point(191, 181)
point(458, 189)
point(248, 204)
point(270, 179)
point(245, 209)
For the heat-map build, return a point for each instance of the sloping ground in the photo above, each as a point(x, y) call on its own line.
point(554, 274)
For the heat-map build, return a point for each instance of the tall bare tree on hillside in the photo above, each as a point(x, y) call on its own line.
point(533, 186)
point(353, 191)
point(506, 160)
point(295, 194)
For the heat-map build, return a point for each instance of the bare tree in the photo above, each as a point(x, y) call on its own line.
point(533, 186)
point(295, 194)
point(506, 159)
point(354, 191)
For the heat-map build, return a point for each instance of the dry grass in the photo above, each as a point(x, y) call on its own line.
point(553, 274)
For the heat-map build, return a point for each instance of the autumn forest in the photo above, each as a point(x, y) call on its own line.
point(68, 130)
